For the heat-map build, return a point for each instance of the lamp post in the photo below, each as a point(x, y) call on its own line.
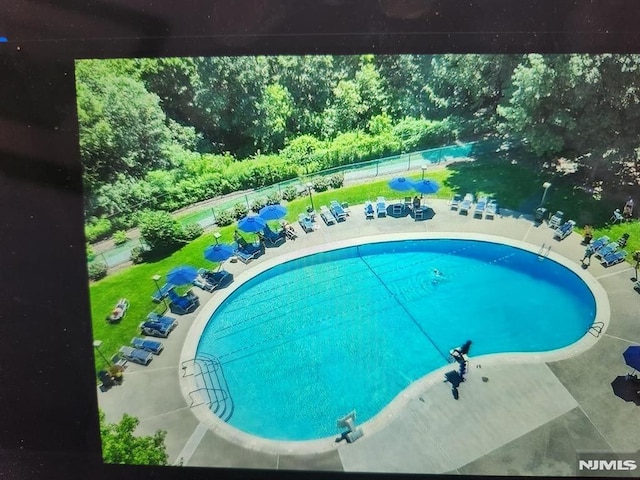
point(309, 187)
point(546, 186)
point(216, 237)
point(96, 345)
point(424, 168)
point(155, 278)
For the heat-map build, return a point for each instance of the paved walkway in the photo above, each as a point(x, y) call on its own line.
point(514, 417)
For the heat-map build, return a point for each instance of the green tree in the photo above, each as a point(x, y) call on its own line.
point(121, 446)
point(161, 232)
point(274, 114)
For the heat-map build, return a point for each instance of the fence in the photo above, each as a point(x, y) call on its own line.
point(206, 217)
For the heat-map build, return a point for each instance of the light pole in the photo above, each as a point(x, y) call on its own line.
point(96, 345)
point(546, 186)
point(309, 187)
point(155, 278)
point(216, 236)
point(424, 168)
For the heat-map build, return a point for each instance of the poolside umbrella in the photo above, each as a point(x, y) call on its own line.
point(401, 184)
point(182, 275)
point(626, 388)
point(251, 224)
point(218, 253)
point(632, 356)
point(426, 186)
point(273, 212)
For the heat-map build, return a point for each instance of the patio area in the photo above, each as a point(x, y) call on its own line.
point(514, 417)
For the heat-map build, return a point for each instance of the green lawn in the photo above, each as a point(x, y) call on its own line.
point(513, 185)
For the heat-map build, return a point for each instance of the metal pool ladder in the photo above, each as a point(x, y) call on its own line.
point(544, 251)
point(214, 391)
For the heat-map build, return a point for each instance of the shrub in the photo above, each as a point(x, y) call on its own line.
point(193, 231)
point(120, 237)
point(240, 210)
point(98, 229)
point(320, 184)
point(336, 180)
point(137, 255)
point(257, 204)
point(223, 218)
point(161, 232)
point(274, 198)
point(91, 254)
point(290, 193)
point(97, 270)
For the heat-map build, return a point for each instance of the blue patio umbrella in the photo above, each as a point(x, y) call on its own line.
point(273, 212)
point(251, 224)
point(218, 253)
point(182, 275)
point(632, 356)
point(401, 184)
point(426, 186)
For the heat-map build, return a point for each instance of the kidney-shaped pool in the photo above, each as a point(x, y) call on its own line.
point(311, 339)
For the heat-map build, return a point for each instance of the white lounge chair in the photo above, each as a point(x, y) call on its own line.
point(466, 203)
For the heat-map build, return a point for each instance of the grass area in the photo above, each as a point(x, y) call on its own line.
point(515, 187)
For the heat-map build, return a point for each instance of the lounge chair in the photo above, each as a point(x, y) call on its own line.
point(599, 243)
point(158, 295)
point(381, 207)
point(480, 207)
point(564, 230)
point(636, 286)
point(158, 325)
point(368, 210)
point(465, 205)
point(136, 355)
point(274, 238)
point(622, 241)
point(119, 311)
point(455, 201)
point(106, 379)
point(246, 253)
point(182, 304)
point(345, 207)
point(153, 346)
point(606, 250)
point(492, 209)
point(218, 279)
point(305, 222)
point(288, 230)
point(556, 219)
point(613, 258)
point(408, 202)
point(337, 210)
point(326, 215)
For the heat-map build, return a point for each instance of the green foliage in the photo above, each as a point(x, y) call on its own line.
point(336, 180)
point(120, 237)
point(419, 134)
point(192, 231)
point(137, 255)
point(224, 217)
point(91, 254)
point(97, 270)
point(97, 229)
point(273, 198)
point(290, 193)
point(320, 184)
point(240, 210)
point(257, 204)
point(121, 446)
point(161, 232)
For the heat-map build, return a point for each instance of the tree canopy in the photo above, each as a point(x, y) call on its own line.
point(121, 446)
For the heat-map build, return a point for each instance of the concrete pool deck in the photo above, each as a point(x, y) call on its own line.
point(512, 418)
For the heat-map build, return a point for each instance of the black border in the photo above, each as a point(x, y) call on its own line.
point(48, 426)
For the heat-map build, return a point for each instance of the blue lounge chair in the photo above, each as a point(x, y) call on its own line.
point(153, 346)
point(158, 325)
point(273, 238)
point(599, 243)
point(182, 304)
point(622, 241)
point(327, 215)
point(455, 201)
point(606, 250)
point(337, 210)
point(613, 258)
point(305, 222)
point(136, 355)
point(164, 291)
point(480, 207)
point(217, 279)
point(368, 210)
point(465, 204)
point(564, 230)
point(246, 253)
point(492, 209)
point(381, 207)
point(165, 320)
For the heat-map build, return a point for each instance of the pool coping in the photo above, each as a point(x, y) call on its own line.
point(206, 417)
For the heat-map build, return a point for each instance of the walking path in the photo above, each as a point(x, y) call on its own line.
point(516, 416)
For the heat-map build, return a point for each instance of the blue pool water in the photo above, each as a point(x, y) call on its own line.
point(314, 338)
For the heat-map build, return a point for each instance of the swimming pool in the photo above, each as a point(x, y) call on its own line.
point(307, 341)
